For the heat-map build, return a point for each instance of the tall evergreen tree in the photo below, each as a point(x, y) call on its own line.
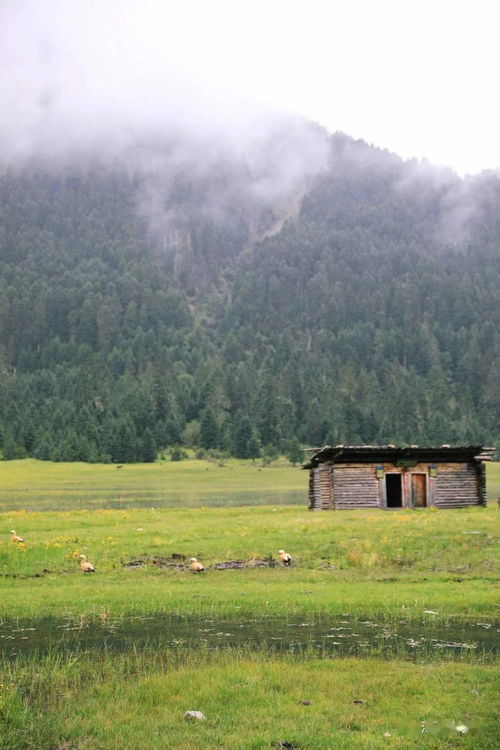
point(148, 447)
point(209, 432)
point(124, 448)
point(242, 436)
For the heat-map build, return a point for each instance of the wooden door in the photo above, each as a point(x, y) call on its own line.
point(418, 490)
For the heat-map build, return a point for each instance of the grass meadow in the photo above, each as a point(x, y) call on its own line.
point(43, 485)
point(138, 701)
point(436, 569)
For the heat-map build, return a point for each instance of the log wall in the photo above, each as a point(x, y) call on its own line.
point(347, 486)
point(355, 486)
point(457, 485)
point(320, 488)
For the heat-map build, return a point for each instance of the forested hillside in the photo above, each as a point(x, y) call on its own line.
point(361, 305)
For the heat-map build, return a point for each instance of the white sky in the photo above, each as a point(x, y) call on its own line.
point(417, 77)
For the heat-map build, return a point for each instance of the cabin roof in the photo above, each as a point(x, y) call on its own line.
point(393, 454)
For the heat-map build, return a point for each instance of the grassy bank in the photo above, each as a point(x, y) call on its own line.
point(360, 560)
point(138, 700)
point(236, 594)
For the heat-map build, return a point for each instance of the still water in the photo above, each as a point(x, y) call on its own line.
point(22, 499)
point(345, 636)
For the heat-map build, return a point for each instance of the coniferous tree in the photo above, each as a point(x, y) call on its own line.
point(357, 321)
point(209, 432)
point(124, 448)
point(295, 454)
point(43, 448)
point(69, 448)
point(148, 448)
point(242, 435)
point(10, 449)
point(253, 447)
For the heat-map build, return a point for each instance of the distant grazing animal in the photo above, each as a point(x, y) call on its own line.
point(85, 565)
point(120, 466)
point(196, 566)
point(15, 538)
point(285, 558)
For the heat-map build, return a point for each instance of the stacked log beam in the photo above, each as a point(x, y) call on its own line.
point(355, 487)
point(457, 486)
point(320, 488)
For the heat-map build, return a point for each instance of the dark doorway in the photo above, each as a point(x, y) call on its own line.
point(393, 490)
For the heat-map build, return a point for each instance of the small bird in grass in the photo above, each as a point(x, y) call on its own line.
point(196, 566)
point(85, 565)
point(285, 558)
point(15, 538)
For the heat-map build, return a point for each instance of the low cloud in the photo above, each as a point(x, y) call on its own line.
point(112, 81)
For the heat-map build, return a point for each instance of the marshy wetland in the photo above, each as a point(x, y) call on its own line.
point(383, 632)
point(344, 636)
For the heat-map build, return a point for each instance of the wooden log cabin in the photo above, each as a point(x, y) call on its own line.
point(385, 476)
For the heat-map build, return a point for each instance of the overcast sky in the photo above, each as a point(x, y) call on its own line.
point(418, 77)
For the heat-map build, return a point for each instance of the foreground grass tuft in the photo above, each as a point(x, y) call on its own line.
point(138, 700)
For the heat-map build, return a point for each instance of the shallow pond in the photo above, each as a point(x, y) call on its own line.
point(346, 636)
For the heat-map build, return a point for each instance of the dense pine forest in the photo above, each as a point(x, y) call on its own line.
point(145, 310)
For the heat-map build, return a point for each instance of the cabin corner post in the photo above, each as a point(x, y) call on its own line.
point(382, 494)
point(311, 489)
point(320, 488)
point(326, 486)
point(481, 476)
point(406, 500)
point(432, 479)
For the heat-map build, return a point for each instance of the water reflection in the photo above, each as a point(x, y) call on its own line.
point(324, 635)
point(144, 498)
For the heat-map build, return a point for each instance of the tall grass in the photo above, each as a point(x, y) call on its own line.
point(138, 700)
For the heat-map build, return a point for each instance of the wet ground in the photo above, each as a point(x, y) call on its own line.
point(23, 499)
point(344, 636)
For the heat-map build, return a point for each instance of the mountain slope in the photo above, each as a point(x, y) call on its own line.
point(145, 308)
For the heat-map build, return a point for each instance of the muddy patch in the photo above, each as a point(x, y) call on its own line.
point(181, 562)
point(261, 562)
point(142, 561)
point(44, 572)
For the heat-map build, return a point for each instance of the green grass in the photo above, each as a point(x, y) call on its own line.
point(390, 566)
point(493, 481)
point(238, 594)
point(43, 485)
point(138, 700)
point(365, 561)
